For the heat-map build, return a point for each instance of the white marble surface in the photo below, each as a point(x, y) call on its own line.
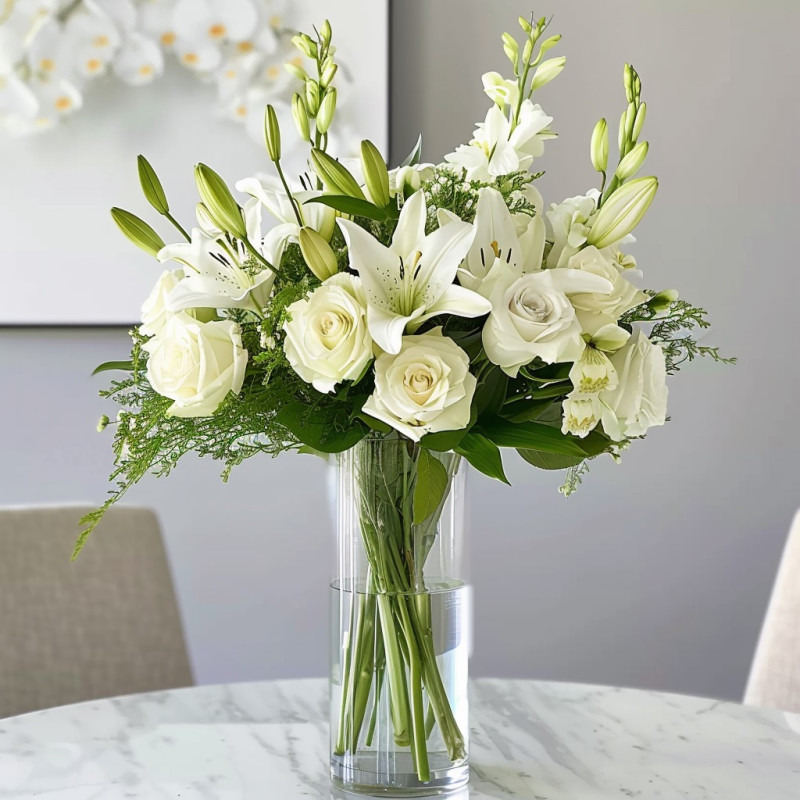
point(269, 741)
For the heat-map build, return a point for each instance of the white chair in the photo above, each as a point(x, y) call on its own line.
point(775, 675)
point(104, 625)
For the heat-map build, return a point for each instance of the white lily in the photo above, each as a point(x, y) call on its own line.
point(498, 148)
point(411, 281)
point(497, 239)
point(220, 275)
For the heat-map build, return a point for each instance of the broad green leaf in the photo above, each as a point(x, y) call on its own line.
point(319, 434)
point(491, 392)
point(525, 410)
point(531, 436)
point(412, 159)
point(376, 424)
point(443, 441)
point(560, 389)
point(352, 206)
point(484, 455)
point(106, 366)
point(550, 460)
point(430, 486)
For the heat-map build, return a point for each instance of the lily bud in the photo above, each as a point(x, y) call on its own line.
point(337, 178)
point(328, 73)
point(375, 173)
point(622, 211)
point(217, 198)
point(298, 72)
point(325, 32)
point(663, 300)
point(272, 133)
point(632, 162)
point(548, 70)
point(639, 121)
point(623, 130)
point(138, 231)
point(312, 97)
point(599, 148)
point(151, 186)
point(525, 25)
point(511, 49)
point(627, 78)
point(326, 111)
point(318, 254)
point(205, 222)
point(300, 116)
point(305, 44)
point(547, 44)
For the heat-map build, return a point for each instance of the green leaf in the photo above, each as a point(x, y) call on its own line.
point(550, 460)
point(430, 486)
point(138, 231)
point(412, 159)
point(376, 424)
point(443, 441)
point(552, 390)
point(490, 393)
point(319, 434)
point(531, 436)
point(352, 206)
point(127, 366)
point(151, 186)
point(525, 410)
point(484, 455)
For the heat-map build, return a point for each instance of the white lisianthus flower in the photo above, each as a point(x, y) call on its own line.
point(155, 311)
point(593, 372)
point(196, 364)
point(569, 226)
point(595, 310)
point(532, 316)
point(581, 413)
point(425, 388)
point(497, 149)
point(327, 340)
point(500, 90)
point(640, 400)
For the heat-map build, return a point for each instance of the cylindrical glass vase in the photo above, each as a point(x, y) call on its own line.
point(400, 621)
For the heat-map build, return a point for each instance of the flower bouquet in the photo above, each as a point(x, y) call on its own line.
point(409, 320)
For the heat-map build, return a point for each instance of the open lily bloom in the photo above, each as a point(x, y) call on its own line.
point(217, 276)
point(411, 281)
point(498, 148)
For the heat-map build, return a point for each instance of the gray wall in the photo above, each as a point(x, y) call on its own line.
point(657, 572)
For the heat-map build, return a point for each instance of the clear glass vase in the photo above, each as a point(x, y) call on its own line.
point(400, 621)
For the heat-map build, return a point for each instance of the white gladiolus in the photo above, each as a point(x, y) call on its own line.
point(155, 311)
point(500, 90)
point(569, 225)
point(425, 388)
point(581, 413)
point(327, 340)
point(196, 364)
point(639, 402)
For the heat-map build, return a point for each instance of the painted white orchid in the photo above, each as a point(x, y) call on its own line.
point(217, 275)
point(498, 147)
point(412, 280)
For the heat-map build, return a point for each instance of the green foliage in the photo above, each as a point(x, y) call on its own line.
point(430, 487)
point(483, 454)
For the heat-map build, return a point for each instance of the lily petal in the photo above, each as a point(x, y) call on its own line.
point(455, 300)
point(387, 328)
point(378, 266)
point(410, 228)
point(442, 252)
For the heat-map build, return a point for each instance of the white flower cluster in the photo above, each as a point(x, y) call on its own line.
point(51, 51)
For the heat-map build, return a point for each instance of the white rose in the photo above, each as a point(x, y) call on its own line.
point(569, 224)
point(154, 310)
point(327, 340)
point(598, 309)
point(532, 316)
point(196, 364)
point(640, 400)
point(581, 413)
point(426, 387)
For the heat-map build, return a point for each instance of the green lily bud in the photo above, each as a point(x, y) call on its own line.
point(305, 44)
point(272, 133)
point(375, 173)
point(663, 300)
point(627, 78)
point(204, 218)
point(623, 130)
point(217, 198)
point(622, 211)
point(326, 111)
point(325, 32)
point(639, 121)
point(138, 231)
point(525, 25)
point(511, 49)
point(298, 72)
point(312, 97)
point(318, 254)
point(546, 71)
point(328, 73)
point(547, 44)
point(300, 116)
point(632, 162)
point(337, 178)
point(151, 186)
point(630, 119)
point(599, 148)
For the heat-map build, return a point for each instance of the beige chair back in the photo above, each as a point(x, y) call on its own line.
point(107, 624)
point(775, 675)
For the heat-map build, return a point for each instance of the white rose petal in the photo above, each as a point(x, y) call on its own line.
point(196, 364)
point(426, 387)
point(155, 311)
point(640, 400)
point(327, 340)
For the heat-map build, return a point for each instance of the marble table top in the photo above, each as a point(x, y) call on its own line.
point(269, 741)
